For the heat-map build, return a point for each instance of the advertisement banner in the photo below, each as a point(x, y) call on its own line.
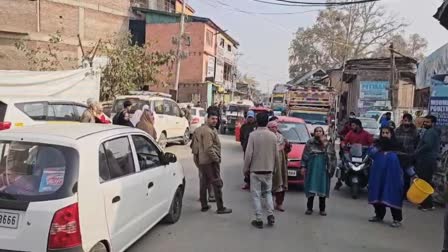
point(374, 90)
point(438, 107)
point(211, 67)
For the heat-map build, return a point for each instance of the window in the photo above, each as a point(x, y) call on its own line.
point(209, 38)
point(79, 110)
point(35, 110)
point(167, 108)
point(229, 48)
point(221, 43)
point(159, 107)
point(118, 156)
point(227, 72)
point(147, 152)
point(61, 112)
point(176, 109)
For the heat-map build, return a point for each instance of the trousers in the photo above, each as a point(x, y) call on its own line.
point(380, 212)
point(261, 189)
point(310, 203)
point(425, 170)
point(279, 198)
point(210, 175)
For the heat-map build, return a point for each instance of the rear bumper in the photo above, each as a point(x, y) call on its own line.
point(298, 179)
point(74, 249)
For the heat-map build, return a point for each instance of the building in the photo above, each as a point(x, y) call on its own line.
point(208, 56)
point(34, 20)
point(171, 6)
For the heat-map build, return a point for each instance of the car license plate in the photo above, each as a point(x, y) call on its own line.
point(9, 220)
point(292, 173)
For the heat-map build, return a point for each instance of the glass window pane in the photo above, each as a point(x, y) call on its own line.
point(119, 157)
point(147, 152)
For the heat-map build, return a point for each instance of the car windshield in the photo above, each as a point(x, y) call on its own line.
point(136, 104)
point(294, 132)
point(35, 171)
point(373, 114)
point(310, 118)
point(369, 123)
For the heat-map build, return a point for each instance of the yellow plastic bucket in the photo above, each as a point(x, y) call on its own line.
point(419, 191)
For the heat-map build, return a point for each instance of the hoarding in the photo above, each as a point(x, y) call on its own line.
point(374, 90)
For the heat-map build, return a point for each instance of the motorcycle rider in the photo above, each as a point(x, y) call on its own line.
point(357, 135)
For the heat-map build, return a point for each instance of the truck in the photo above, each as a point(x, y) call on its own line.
point(312, 104)
point(279, 97)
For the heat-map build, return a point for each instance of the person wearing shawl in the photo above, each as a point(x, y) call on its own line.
point(123, 119)
point(146, 123)
point(386, 185)
point(317, 179)
point(280, 176)
point(138, 115)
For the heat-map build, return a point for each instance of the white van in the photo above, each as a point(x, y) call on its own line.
point(170, 123)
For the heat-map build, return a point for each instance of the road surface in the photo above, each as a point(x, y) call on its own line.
point(344, 229)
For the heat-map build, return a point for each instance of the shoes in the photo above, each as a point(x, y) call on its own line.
point(395, 224)
point(271, 220)
point(375, 219)
point(206, 208)
point(323, 213)
point(224, 211)
point(245, 187)
point(211, 199)
point(424, 209)
point(338, 186)
point(258, 224)
point(309, 212)
point(279, 208)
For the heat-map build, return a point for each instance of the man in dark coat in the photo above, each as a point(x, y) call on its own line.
point(427, 153)
point(246, 129)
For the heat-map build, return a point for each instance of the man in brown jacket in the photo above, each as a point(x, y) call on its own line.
point(208, 159)
point(260, 159)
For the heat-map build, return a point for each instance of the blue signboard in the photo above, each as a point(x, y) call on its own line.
point(438, 107)
point(374, 90)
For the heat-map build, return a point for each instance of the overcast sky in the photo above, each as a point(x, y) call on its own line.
point(264, 39)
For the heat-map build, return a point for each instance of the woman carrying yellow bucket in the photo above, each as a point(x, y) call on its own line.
point(386, 185)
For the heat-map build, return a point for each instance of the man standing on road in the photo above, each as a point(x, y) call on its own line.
point(209, 159)
point(426, 154)
point(246, 129)
point(259, 162)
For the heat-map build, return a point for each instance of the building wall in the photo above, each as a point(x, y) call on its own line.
point(33, 21)
point(194, 66)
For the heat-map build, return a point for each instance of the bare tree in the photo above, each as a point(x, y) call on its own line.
point(413, 46)
point(341, 33)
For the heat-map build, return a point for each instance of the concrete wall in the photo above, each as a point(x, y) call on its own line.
point(33, 21)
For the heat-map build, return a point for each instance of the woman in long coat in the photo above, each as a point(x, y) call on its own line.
point(146, 123)
point(317, 179)
point(280, 176)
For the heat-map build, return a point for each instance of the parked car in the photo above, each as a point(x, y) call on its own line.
point(170, 123)
point(370, 125)
point(295, 131)
point(197, 118)
point(19, 112)
point(92, 188)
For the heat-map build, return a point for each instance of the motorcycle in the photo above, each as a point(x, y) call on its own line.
point(354, 168)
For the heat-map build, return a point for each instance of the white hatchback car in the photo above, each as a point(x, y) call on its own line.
point(197, 118)
point(89, 187)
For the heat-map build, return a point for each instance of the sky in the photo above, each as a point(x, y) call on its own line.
point(265, 39)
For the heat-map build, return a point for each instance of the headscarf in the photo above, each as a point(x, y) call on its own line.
point(280, 139)
point(138, 114)
point(147, 124)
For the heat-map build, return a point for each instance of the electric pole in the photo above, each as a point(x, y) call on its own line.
point(179, 48)
point(392, 76)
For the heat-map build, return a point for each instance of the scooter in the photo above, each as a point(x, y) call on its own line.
point(354, 169)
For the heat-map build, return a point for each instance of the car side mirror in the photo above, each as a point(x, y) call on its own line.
point(169, 158)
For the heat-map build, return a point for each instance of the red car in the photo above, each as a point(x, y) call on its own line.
point(295, 131)
point(241, 121)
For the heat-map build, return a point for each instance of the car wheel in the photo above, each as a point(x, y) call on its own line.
point(186, 137)
point(163, 140)
point(99, 247)
point(175, 209)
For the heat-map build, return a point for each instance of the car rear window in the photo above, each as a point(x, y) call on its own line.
point(36, 172)
point(3, 107)
point(136, 104)
point(34, 110)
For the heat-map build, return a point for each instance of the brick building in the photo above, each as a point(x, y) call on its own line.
point(208, 64)
point(34, 20)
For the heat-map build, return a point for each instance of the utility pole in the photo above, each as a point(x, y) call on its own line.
point(179, 48)
point(392, 76)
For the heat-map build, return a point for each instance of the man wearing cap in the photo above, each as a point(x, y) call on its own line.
point(246, 129)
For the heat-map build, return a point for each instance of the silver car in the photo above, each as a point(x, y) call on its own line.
point(370, 125)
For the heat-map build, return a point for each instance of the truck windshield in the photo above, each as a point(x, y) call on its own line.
point(310, 118)
point(236, 108)
point(277, 99)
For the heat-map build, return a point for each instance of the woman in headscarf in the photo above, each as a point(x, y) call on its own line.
point(123, 119)
point(146, 123)
point(317, 179)
point(138, 115)
point(386, 184)
point(280, 176)
point(100, 117)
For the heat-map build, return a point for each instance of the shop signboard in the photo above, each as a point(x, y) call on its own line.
point(374, 90)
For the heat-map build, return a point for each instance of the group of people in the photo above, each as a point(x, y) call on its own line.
point(142, 118)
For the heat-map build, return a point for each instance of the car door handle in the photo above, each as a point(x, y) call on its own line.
point(116, 199)
point(150, 184)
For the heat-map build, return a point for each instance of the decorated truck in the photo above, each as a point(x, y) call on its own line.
point(279, 97)
point(312, 104)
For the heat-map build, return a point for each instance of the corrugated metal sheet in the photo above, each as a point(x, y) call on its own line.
point(353, 96)
point(436, 63)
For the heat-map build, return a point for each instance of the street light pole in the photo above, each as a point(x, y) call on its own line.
point(179, 48)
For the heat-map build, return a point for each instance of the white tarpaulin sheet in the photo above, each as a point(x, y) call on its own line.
point(72, 85)
point(436, 63)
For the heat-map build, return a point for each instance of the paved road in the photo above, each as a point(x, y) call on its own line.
point(344, 229)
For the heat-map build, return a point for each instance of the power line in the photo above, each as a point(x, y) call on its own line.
point(263, 13)
point(312, 4)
